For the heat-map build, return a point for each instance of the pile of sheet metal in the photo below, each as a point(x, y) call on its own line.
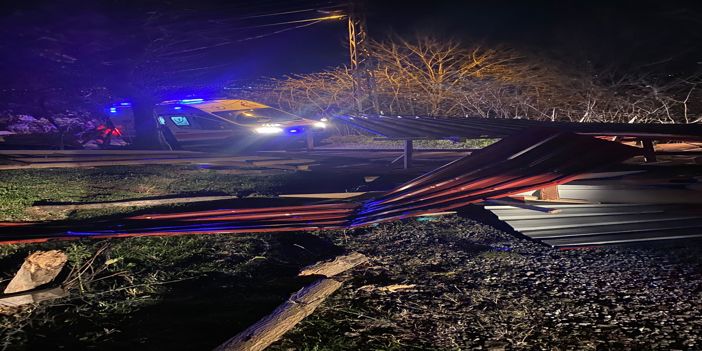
point(524, 162)
point(408, 127)
point(576, 225)
point(533, 160)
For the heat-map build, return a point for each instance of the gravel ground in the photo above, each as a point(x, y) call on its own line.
point(460, 284)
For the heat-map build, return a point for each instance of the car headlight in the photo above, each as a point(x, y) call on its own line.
point(268, 130)
point(320, 125)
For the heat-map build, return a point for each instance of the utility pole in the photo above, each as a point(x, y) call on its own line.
point(361, 76)
point(357, 38)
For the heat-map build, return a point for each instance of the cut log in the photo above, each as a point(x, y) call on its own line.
point(338, 265)
point(133, 203)
point(271, 328)
point(39, 268)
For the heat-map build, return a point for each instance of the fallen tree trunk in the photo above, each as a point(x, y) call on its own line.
point(269, 329)
point(338, 265)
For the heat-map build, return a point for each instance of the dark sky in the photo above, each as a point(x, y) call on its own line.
point(659, 36)
point(629, 34)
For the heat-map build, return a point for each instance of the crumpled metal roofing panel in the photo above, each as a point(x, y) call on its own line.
point(524, 162)
point(529, 161)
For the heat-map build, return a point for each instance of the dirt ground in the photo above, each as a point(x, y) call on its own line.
point(461, 284)
point(432, 283)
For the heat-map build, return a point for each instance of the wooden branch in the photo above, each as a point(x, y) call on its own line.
point(132, 203)
point(338, 265)
point(300, 305)
point(271, 328)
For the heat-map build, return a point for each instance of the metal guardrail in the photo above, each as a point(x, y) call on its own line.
point(423, 127)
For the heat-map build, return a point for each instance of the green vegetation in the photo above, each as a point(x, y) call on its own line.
point(19, 189)
point(132, 290)
point(366, 141)
point(123, 291)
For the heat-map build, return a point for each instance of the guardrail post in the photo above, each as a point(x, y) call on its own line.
point(649, 152)
point(408, 153)
point(310, 141)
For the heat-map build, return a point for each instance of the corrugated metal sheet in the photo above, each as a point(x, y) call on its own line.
point(513, 165)
point(473, 127)
point(604, 224)
point(620, 192)
point(525, 162)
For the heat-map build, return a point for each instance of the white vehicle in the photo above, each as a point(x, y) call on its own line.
point(198, 122)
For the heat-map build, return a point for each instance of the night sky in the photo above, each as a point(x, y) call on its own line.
point(661, 37)
point(629, 34)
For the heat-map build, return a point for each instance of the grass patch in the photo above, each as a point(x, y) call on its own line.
point(161, 292)
point(19, 189)
point(366, 141)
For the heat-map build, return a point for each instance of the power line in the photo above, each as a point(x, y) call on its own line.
point(292, 12)
point(317, 19)
point(277, 32)
point(209, 47)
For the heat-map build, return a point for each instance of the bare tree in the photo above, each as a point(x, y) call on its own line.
point(427, 76)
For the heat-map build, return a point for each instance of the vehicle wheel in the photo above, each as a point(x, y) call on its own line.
point(170, 139)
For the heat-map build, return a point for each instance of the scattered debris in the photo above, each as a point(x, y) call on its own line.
point(396, 287)
point(338, 265)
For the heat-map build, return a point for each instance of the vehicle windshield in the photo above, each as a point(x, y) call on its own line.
point(258, 115)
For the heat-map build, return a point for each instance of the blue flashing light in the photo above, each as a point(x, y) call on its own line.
point(113, 110)
point(178, 108)
point(293, 130)
point(125, 104)
point(191, 101)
